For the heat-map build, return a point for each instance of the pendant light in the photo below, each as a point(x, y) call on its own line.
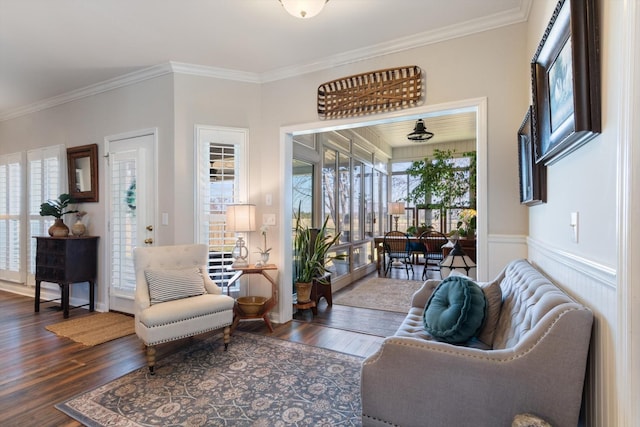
point(420, 133)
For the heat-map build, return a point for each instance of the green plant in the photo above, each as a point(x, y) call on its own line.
point(440, 182)
point(310, 249)
point(467, 222)
point(56, 208)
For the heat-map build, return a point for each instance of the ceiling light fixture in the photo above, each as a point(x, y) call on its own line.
point(303, 9)
point(420, 132)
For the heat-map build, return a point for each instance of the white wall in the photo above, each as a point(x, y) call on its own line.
point(212, 102)
point(490, 65)
point(589, 181)
point(493, 64)
point(88, 120)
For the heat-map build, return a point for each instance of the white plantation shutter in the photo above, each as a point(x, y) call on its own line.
point(220, 177)
point(46, 180)
point(124, 219)
point(11, 225)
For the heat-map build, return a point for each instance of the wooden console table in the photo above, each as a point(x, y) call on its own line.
point(66, 260)
point(238, 314)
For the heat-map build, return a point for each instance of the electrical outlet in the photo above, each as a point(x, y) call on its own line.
point(269, 219)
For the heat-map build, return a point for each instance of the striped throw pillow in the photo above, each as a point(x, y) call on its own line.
point(168, 285)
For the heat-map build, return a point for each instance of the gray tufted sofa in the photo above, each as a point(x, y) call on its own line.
point(536, 364)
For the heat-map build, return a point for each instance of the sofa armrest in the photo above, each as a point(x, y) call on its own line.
point(421, 296)
point(416, 382)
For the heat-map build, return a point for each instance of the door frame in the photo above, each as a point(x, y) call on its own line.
point(477, 105)
point(104, 294)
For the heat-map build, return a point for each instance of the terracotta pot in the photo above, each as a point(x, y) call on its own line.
point(59, 229)
point(304, 291)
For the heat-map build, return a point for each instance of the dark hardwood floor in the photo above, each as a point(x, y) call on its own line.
point(39, 369)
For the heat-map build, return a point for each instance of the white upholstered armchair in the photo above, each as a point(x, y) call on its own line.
point(175, 298)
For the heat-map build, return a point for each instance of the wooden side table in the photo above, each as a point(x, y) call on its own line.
point(66, 260)
point(238, 314)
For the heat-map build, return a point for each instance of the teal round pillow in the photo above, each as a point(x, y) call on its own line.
point(455, 311)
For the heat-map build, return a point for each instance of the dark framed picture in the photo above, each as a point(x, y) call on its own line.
point(533, 176)
point(565, 76)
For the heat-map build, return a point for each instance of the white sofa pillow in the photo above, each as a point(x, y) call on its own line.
point(168, 285)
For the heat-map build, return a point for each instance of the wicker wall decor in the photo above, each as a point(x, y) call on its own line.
point(372, 92)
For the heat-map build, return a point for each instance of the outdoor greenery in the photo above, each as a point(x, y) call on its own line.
point(441, 184)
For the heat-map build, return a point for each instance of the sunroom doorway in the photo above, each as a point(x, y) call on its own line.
point(305, 135)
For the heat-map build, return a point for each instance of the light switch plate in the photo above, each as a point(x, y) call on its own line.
point(573, 222)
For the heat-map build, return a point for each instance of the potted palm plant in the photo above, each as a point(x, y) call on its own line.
point(310, 249)
point(57, 208)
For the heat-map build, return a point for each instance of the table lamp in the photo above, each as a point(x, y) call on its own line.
point(457, 259)
point(396, 209)
point(240, 218)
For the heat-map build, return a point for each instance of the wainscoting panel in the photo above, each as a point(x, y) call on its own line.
point(594, 285)
point(502, 249)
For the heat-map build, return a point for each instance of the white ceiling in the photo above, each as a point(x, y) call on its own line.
point(52, 47)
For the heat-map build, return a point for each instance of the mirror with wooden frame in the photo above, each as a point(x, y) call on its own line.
point(82, 165)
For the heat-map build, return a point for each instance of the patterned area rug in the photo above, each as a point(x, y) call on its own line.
point(94, 329)
point(381, 294)
point(259, 381)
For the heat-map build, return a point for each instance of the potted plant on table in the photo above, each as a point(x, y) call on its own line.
point(57, 208)
point(310, 250)
point(467, 223)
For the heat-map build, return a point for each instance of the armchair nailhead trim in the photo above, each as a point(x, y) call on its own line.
point(188, 335)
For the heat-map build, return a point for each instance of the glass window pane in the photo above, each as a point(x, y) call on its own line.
point(399, 187)
point(329, 189)
point(369, 213)
point(302, 181)
point(344, 196)
point(356, 221)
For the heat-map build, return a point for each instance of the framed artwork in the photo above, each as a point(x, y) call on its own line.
point(533, 176)
point(565, 76)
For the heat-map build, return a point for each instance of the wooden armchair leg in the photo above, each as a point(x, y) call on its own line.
point(151, 358)
point(227, 337)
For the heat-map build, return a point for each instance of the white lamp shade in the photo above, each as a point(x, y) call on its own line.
point(241, 218)
point(396, 208)
point(303, 9)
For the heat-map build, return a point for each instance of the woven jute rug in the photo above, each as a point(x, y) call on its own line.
point(94, 329)
point(381, 294)
point(258, 381)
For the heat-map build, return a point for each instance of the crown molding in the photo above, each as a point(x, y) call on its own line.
point(215, 72)
point(107, 85)
point(510, 17)
point(503, 19)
